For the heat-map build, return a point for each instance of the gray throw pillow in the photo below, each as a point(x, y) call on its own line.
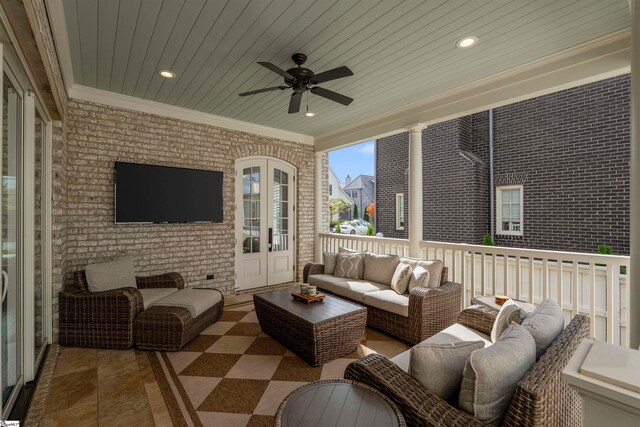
point(329, 259)
point(544, 324)
point(439, 367)
point(400, 279)
point(420, 277)
point(342, 250)
point(379, 268)
point(509, 312)
point(110, 275)
point(492, 374)
point(349, 266)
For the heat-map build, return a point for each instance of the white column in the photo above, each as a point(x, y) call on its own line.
point(320, 213)
point(415, 189)
point(634, 283)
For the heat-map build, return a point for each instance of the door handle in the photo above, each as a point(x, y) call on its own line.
point(270, 238)
point(5, 284)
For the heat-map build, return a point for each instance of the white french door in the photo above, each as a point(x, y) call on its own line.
point(265, 223)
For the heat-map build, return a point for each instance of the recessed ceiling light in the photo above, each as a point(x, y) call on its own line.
point(167, 74)
point(309, 114)
point(466, 42)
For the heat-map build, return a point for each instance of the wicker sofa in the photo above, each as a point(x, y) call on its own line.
point(426, 311)
point(105, 319)
point(541, 397)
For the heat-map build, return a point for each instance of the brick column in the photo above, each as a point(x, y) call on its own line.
point(415, 189)
point(634, 282)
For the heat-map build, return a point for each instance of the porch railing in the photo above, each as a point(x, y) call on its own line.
point(591, 284)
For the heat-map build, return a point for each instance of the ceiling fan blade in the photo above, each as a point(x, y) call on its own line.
point(294, 104)
point(336, 73)
point(334, 96)
point(277, 70)
point(267, 89)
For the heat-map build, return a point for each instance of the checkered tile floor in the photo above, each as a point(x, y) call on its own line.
point(233, 374)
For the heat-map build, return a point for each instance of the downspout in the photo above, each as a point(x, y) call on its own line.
point(492, 210)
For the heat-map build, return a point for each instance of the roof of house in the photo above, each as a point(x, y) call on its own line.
point(359, 182)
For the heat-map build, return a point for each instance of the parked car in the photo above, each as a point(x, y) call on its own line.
point(357, 226)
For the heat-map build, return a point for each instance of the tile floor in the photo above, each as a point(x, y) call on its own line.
point(95, 387)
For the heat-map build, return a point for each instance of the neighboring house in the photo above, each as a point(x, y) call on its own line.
point(362, 190)
point(337, 192)
point(561, 173)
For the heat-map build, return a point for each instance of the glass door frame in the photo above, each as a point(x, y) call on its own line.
point(14, 65)
point(20, 347)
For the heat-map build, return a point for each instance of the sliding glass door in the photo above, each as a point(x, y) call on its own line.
point(11, 243)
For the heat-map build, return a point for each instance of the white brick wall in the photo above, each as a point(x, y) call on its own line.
point(84, 229)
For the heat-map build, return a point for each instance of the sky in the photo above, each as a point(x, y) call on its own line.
point(353, 160)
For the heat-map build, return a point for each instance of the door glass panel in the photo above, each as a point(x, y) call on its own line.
point(280, 211)
point(251, 210)
point(38, 283)
point(11, 137)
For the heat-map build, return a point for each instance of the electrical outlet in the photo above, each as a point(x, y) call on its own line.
point(209, 276)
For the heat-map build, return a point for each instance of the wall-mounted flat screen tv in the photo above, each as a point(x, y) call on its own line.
point(161, 194)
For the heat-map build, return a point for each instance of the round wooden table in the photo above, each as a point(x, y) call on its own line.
point(333, 403)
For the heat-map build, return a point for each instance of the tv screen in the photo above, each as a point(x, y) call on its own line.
point(146, 193)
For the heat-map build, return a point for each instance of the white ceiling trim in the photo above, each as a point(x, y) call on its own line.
point(595, 60)
point(61, 39)
point(113, 99)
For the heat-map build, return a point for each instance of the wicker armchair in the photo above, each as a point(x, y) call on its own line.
point(430, 309)
point(541, 397)
point(105, 319)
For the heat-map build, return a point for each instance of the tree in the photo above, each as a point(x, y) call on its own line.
point(365, 217)
point(338, 206)
point(355, 211)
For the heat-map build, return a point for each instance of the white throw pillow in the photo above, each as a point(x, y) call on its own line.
point(110, 275)
point(509, 312)
point(400, 279)
point(419, 278)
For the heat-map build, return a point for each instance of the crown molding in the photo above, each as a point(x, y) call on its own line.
point(113, 99)
point(595, 60)
point(58, 25)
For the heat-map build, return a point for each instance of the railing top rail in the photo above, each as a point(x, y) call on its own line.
point(500, 250)
point(384, 240)
point(504, 250)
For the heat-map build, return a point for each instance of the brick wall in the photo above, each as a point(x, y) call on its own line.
point(392, 163)
point(569, 149)
point(84, 229)
point(571, 152)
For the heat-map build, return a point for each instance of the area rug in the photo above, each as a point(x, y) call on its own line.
point(233, 374)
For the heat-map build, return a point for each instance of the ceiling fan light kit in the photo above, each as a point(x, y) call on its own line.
point(303, 80)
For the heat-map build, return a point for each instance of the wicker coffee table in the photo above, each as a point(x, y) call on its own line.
point(318, 332)
point(330, 403)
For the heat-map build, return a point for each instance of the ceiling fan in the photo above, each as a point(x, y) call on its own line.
point(302, 79)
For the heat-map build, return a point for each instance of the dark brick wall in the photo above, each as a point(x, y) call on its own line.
point(569, 149)
point(392, 163)
point(571, 152)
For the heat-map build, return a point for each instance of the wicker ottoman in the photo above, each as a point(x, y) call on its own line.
point(168, 328)
point(318, 332)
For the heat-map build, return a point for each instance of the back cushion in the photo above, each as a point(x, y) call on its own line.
point(379, 268)
point(111, 275)
point(544, 324)
point(329, 262)
point(349, 266)
point(491, 375)
point(434, 267)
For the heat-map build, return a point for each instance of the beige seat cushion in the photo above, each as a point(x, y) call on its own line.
point(388, 300)
point(197, 301)
point(379, 268)
point(434, 267)
point(451, 335)
point(111, 275)
point(324, 281)
point(151, 295)
point(356, 289)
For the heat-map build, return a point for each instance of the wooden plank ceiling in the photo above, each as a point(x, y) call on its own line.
point(399, 51)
